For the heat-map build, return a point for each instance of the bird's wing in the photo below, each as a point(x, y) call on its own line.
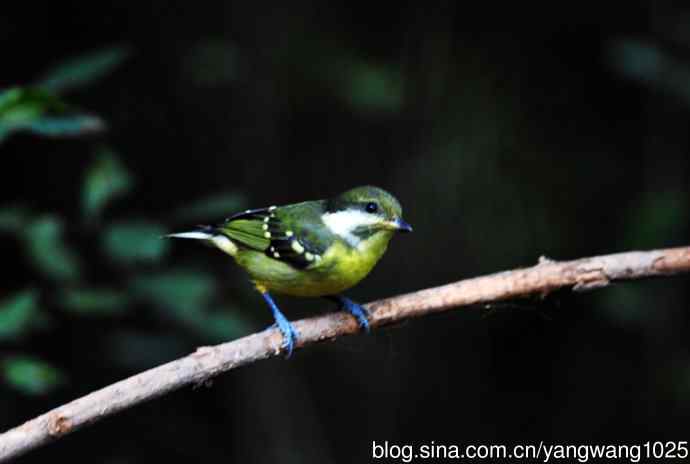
point(293, 234)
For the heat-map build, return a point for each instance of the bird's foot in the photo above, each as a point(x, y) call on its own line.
point(355, 309)
point(289, 332)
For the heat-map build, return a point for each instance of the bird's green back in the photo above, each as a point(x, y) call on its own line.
point(291, 233)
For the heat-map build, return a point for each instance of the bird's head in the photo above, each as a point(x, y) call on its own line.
point(362, 212)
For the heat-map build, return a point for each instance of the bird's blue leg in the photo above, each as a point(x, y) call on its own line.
point(288, 331)
point(353, 308)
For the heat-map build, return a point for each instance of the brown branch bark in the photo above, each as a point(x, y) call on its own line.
point(207, 362)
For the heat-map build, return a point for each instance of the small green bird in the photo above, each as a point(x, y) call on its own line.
point(311, 249)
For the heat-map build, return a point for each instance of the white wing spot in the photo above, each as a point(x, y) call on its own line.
point(267, 218)
point(276, 254)
point(265, 227)
point(309, 256)
point(267, 234)
point(297, 247)
point(272, 208)
point(289, 233)
point(225, 244)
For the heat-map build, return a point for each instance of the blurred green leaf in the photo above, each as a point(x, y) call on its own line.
point(83, 70)
point(17, 314)
point(19, 104)
point(626, 305)
point(19, 108)
point(140, 241)
point(31, 376)
point(658, 217)
point(213, 207)
point(94, 301)
point(635, 305)
point(8, 98)
point(218, 327)
point(211, 63)
point(650, 64)
point(185, 296)
point(374, 88)
point(48, 251)
point(105, 180)
point(139, 350)
point(13, 219)
point(42, 113)
point(66, 126)
point(183, 291)
point(635, 59)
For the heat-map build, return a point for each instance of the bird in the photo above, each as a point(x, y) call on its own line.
point(317, 248)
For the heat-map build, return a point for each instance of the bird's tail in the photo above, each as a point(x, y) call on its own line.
point(200, 233)
point(210, 234)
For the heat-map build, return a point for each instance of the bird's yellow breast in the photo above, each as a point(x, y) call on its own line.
point(340, 268)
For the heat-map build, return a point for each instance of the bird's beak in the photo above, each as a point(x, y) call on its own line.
point(402, 226)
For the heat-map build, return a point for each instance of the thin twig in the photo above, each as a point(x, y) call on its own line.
point(208, 362)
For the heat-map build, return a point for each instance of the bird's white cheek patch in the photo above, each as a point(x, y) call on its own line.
point(344, 223)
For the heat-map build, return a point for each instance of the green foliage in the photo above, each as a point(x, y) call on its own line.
point(38, 110)
point(42, 113)
point(638, 60)
point(626, 304)
point(221, 325)
point(364, 85)
point(18, 314)
point(211, 63)
point(372, 88)
point(185, 296)
point(94, 301)
point(31, 376)
point(83, 70)
point(43, 241)
point(106, 179)
point(48, 251)
point(636, 306)
point(140, 350)
point(13, 219)
point(20, 104)
point(182, 296)
point(658, 217)
point(647, 63)
point(182, 291)
point(136, 241)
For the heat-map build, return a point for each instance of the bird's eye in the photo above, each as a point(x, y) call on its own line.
point(372, 207)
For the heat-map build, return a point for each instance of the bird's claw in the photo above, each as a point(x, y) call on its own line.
point(357, 310)
point(289, 340)
point(288, 331)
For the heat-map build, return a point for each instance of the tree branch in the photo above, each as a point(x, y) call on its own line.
point(207, 362)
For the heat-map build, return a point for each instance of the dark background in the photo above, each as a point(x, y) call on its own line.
point(507, 133)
